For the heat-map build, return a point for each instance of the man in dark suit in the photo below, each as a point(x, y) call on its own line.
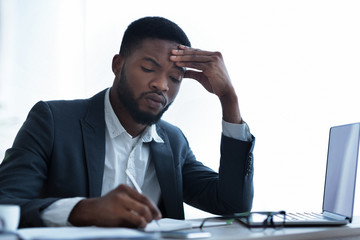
point(67, 164)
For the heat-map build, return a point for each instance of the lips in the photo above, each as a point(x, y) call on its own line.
point(155, 100)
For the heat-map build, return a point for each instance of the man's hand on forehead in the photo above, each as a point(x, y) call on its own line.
point(208, 68)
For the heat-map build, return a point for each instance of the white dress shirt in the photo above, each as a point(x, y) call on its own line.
point(122, 152)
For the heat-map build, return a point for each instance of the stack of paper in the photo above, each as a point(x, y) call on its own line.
point(66, 233)
point(80, 233)
point(167, 224)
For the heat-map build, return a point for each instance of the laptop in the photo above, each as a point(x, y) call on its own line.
point(340, 179)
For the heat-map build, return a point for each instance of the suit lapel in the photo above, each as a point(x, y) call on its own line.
point(167, 175)
point(93, 127)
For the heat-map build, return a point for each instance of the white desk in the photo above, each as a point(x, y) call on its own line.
point(239, 231)
point(223, 232)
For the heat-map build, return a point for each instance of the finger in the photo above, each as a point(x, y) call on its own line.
point(132, 219)
point(183, 47)
point(201, 66)
point(193, 74)
point(199, 76)
point(205, 58)
point(155, 212)
point(184, 50)
point(192, 58)
point(140, 209)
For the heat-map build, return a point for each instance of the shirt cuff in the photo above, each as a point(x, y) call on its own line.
point(237, 131)
point(57, 214)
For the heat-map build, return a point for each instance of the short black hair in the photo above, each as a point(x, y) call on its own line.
point(151, 27)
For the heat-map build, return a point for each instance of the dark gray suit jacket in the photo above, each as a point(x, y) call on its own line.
point(59, 152)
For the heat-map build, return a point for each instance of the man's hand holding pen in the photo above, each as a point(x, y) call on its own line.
point(124, 206)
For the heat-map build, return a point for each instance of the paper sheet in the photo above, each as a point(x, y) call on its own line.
point(56, 233)
point(79, 233)
point(168, 224)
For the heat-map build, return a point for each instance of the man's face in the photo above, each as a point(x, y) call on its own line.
point(149, 82)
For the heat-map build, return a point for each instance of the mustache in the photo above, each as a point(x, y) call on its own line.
point(156, 92)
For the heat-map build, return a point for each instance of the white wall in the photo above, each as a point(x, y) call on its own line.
point(294, 64)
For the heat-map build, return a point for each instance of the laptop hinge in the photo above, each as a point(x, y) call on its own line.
point(336, 216)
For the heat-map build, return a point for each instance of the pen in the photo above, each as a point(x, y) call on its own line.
point(137, 187)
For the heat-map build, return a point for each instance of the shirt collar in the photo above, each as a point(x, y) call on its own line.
point(115, 128)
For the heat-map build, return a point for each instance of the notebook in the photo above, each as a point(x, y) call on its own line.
point(340, 180)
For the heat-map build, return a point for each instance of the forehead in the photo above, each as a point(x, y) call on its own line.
point(156, 48)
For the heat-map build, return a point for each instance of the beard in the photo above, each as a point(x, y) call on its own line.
point(127, 97)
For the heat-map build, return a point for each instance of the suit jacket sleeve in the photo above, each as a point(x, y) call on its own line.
point(23, 172)
point(228, 191)
point(58, 153)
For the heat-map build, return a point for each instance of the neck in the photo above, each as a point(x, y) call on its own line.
point(132, 127)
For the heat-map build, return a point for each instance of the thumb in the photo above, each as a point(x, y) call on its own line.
point(200, 77)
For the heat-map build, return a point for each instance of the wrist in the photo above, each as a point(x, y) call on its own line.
point(230, 108)
point(81, 213)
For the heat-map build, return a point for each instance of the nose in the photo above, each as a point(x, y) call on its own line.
point(160, 83)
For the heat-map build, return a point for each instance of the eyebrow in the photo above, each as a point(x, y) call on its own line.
point(182, 70)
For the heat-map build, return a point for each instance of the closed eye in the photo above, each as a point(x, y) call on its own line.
point(146, 69)
point(176, 80)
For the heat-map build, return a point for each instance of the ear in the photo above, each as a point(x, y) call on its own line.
point(117, 64)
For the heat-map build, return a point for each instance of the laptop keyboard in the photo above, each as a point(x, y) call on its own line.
point(304, 216)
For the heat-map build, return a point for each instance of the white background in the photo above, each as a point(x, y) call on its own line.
point(294, 64)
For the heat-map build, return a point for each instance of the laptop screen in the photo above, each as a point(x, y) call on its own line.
point(341, 169)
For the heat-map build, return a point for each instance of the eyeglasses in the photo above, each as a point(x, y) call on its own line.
point(262, 220)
